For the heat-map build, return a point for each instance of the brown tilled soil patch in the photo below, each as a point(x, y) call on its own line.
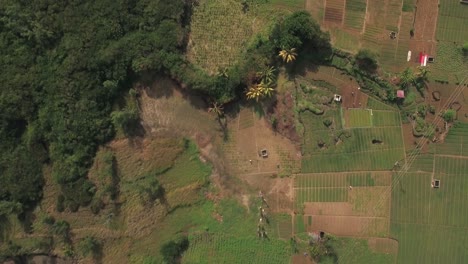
point(352, 96)
point(328, 208)
point(425, 21)
point(349, 225)
point(334, 12)
point(408, 137)
point(278, 192)
point(383, 245)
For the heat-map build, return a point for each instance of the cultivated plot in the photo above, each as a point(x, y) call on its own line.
point(343, 203)
point(431, 223)
point(376, 147)
point(452, 21)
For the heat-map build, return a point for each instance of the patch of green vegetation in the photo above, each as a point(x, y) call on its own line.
point(420, 215)
point(450, 64)
point(221, 248)
point(355, 250)
point(355, 13)
point(359, 118)
point(375, 104)
point(408, 6)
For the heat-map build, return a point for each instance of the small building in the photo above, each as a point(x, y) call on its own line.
point(400, 94)
point(435, 183)
point(264, 153)
point(337, 98)
point(423, 59)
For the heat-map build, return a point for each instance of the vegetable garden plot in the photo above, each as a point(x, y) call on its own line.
point(421, 214)
point(355, 14)
point(456, 142)
point(358, 118)
point(385, 118)
point(219, 248)
point(452, 21)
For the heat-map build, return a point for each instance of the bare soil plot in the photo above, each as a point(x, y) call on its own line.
point(328, 208)
point(334, 12)
point(350, 225)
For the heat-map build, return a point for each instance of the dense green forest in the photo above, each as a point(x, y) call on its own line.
point(66, 65)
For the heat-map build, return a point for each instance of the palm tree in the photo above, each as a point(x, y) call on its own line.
point(267, 75)
point(288, 55)
point(217, 109)
point(254, 92)
point(407, 77)
point(258, 91)
point(223, 72)
point(266, 89)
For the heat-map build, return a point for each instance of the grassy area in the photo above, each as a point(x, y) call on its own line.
point(408, 5)
point(362, 253)
point(385, 118)
point(358, 118)
point(452, 21)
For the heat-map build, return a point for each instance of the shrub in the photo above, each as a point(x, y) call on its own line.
point(173, 249)
point(465, 48)
point(60, 205)
point(89, 245)
point(449, 115)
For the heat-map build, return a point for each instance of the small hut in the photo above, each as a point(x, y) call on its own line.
point(400, 94)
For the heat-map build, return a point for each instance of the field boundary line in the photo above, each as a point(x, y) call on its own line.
point(402, 133)
point(451, 156)
point(340, 172)
point(341, 187)
point(433, 225)
point(350, 216)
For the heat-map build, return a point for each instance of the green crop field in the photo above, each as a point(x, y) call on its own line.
point(358, 118)
point(431, 224)
point(355, 14)
point(219, 248)
point(452, 21)
point(332, 187)
point(456, 142)
point(385, 118)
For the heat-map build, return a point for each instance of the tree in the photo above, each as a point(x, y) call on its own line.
point(407, 78)
point(366, 60)
point(259, 91)
point(173, 249)
point(449, 115)
point(267, 75)
point(89, 245)
point(217, 108)
point(288, 55)
point(299, 30)
point(61, 228)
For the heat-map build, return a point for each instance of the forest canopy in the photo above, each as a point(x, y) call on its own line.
point(66, 65)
